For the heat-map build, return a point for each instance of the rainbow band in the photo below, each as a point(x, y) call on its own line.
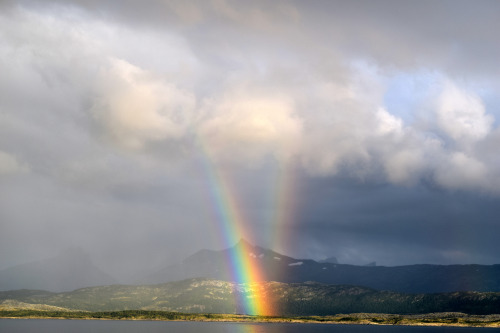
point(282, 205)
point(244, 269)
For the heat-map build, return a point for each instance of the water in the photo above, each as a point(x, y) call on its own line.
point(123, 326)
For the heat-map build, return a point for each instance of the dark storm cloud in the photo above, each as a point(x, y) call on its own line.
point(395, 226)
point(386, 111)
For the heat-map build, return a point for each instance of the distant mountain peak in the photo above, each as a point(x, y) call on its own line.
point(75, 254)
point(243, 242)
point(74, 250)
point(244, 245)
point(254, 251)
point(331, 260)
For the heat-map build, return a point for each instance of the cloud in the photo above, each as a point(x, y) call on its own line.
point(135, 108)
point(245, 126)
point(459, 171)
point(388, 124)
point(403, 166)
point(10, 165)
point(330, 116)
point(339, 118)
point(461, 115)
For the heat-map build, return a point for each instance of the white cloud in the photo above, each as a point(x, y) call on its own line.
point(250, 126)
point(135, 108)
point(338, 119)
point(459, 171)
point(402, 151)
point(388, 123)
point(461, 115)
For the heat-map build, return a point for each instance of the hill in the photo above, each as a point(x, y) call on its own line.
point(215, 296)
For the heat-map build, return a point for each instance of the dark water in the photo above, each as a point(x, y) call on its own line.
point(110, 326)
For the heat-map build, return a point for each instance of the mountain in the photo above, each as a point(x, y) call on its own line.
point(331, 260)
point(73, 269)
point(214, 264)
point(277, 267)
point(215, 296)
point(70, 270)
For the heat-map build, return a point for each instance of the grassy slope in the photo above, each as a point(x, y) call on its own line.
point(213, 296)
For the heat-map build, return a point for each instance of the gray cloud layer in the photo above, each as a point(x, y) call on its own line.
point(394, 104)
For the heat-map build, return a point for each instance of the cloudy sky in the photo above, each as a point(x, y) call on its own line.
point(365, 130)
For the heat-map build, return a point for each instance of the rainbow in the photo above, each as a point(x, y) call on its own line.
point(282, 205)
point(244, 268)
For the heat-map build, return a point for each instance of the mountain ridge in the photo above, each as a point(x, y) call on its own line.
point(419, 278)
point(76, 270)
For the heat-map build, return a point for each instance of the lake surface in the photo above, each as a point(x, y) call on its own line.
point(123, 326)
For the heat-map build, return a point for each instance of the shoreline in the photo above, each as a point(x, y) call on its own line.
point(446, 319)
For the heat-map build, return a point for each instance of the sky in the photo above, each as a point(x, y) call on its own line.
point(364, 130)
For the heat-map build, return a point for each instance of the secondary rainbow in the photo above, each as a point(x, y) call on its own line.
point(282, 204)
